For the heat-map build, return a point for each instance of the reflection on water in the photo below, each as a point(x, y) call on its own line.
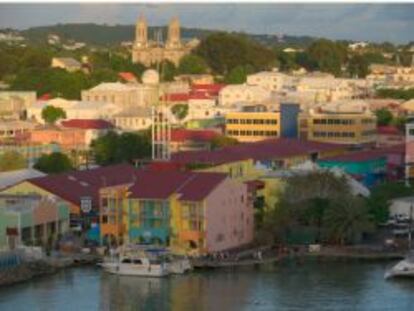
point(313, 286)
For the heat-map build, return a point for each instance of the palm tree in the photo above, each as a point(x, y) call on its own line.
point(347, 220)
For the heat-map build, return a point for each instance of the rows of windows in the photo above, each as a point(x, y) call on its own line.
point(333, 134)
point(342, 121)
point(251, 133)
point(251, 121)
point(334, 121)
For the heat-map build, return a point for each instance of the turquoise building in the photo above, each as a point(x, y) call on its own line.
point(368, 167)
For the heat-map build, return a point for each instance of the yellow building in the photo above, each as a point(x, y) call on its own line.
point(251, 126)
point(342, 127)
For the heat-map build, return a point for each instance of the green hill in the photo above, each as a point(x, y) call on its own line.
point(106, 35)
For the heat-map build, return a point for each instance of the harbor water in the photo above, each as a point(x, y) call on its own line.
point(290, 286)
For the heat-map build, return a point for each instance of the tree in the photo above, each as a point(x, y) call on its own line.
point(11, 160)
point(238, 75)
point(358, 66)
point(53, 163)
point(317, 203)
point(223, 141)
point(328, 56)
point(347, 220)
point(51, 114)
point(192, 64)
point(114, 148)
point(223, 51)
point(405, 94)
point(384, 116)
point(180, 111)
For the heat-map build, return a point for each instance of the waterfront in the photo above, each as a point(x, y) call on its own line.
point(314, 286)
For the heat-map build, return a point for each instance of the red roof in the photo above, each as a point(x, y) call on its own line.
point(200, 95)
point(367, 155)
point(258, 151)
point(215, 87)
point(180, 135)
point(192, 186)
point(72, 186)
point(388, 130)
point(127, 76)
point(176, 97)
point(95, 124)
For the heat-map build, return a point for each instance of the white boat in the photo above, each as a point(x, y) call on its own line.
point(135, 266)
point(404, 268)
point(144, 260)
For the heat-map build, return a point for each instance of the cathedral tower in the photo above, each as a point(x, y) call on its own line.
point(174, 36)
point(141, 32)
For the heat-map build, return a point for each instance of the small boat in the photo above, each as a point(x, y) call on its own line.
point(145, 260)
point(135, 266)
point(404, 268)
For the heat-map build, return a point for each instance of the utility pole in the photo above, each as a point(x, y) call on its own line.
point(409, 227)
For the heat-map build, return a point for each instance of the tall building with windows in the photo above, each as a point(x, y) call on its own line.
point(149, 52)
point(347, 125)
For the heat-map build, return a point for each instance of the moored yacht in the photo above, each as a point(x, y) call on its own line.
point(404, 268)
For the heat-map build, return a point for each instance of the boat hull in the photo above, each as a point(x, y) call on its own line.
point(135, 270)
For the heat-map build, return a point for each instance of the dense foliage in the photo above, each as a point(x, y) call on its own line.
point(192, 64)
point(51, 114)
point(224, 51)
point(180, 111)
point(384, 116)
point(396, 93)
point(54, 163)
point(323, 204)
point(117, 148)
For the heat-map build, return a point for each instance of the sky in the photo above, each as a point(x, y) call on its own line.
point(355, 21)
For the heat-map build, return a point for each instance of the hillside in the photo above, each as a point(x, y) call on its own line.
point(106, 35)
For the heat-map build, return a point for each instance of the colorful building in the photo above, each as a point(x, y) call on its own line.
point(256, 123)
point(80, 189)
point(339, 125)
point(186, 140)
point(368, 167)
point(193, 213)
point(389, 136)
point(244, 161)
point(28, 219)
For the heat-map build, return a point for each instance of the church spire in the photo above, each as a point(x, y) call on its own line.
point(141, 32)
point(174, 36)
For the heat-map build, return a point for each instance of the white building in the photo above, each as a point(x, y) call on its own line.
point(268, 80)
point(231, 94)
point(133, 119)
point(75, 109)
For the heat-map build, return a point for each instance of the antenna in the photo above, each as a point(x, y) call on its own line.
point(161, 127)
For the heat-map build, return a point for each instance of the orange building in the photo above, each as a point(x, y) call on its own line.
point(66, 138)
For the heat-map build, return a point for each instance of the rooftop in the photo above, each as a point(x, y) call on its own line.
point(367, 155)
point(11, 178)
point(73, 185)
point(258, 151)
point(180, 135)
point(95, 124)
point(191, 186)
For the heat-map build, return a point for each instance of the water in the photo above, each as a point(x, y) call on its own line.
point(312, 286)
